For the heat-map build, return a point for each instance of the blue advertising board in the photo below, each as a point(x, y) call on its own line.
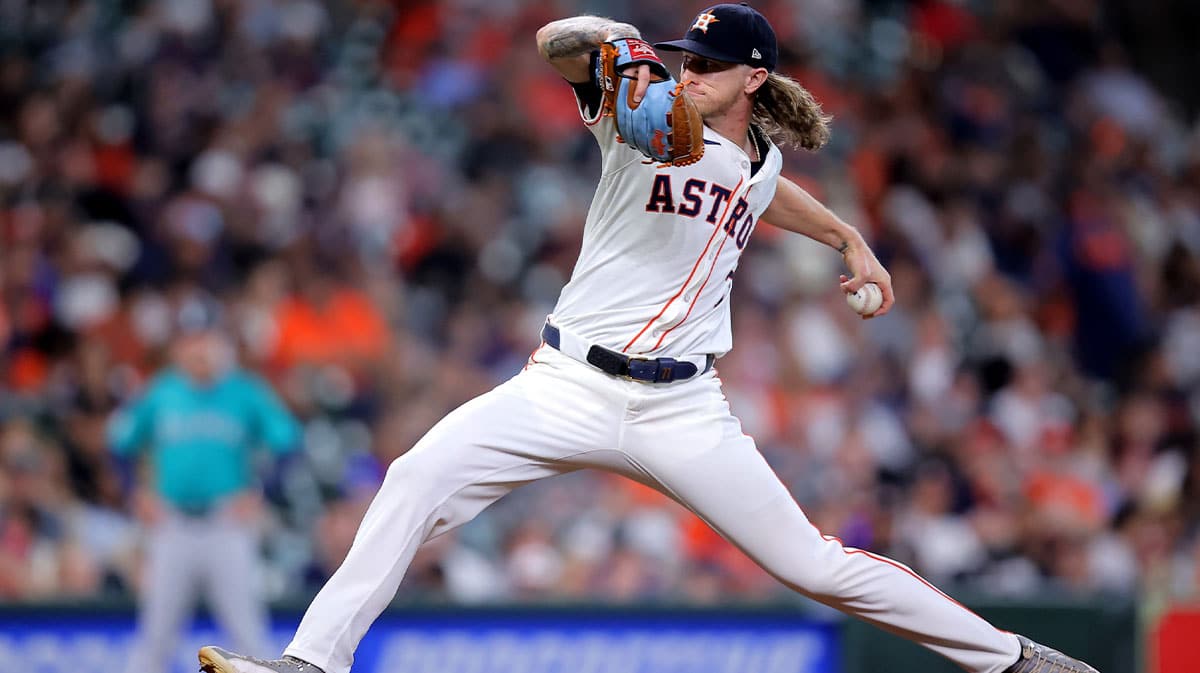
point(471, 641)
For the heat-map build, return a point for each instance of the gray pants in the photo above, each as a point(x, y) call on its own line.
point(215, 554)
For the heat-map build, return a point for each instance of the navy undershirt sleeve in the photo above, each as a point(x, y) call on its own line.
point(589, 95)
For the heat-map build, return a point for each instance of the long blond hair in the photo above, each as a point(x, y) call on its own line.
point(789, 113)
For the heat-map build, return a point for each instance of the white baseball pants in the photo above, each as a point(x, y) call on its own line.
point(561, 415)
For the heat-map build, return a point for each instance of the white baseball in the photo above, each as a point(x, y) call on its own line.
point(867, 300)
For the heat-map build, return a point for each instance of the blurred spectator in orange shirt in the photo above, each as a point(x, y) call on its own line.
point(329, 322)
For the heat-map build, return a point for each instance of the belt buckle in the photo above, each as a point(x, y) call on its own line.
point(640, 358)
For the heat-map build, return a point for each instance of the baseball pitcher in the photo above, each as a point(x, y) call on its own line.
point(624, 378)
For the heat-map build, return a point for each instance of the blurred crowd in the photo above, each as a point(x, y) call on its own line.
point(387, 197)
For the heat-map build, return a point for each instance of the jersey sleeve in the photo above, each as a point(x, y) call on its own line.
point(278, 430)
point(589, 98)
point(614, 154)
point(131, 426)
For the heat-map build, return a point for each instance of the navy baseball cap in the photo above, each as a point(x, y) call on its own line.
point(730, 33)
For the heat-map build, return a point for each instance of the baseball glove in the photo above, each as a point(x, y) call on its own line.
point(666, 125)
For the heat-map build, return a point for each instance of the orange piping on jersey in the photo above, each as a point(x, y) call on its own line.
point(705, 283)
point(696, 298)
point(717, 228)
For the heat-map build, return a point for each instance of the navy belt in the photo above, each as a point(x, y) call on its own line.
point(648, 370)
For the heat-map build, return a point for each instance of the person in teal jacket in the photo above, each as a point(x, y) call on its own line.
point(198, 424)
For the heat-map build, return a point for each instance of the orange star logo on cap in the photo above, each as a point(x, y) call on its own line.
point(704, 21)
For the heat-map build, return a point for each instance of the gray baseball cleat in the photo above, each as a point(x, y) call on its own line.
point(1037, 658)
point(216, 660)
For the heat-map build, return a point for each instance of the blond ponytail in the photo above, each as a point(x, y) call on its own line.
point(789, 113)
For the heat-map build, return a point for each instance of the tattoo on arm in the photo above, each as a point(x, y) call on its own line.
point(580, 35)
point(844, 247)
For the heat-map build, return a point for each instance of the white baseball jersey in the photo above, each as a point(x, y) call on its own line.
point(661, 245)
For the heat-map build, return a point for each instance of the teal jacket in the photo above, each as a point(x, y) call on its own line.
point(201, 439)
